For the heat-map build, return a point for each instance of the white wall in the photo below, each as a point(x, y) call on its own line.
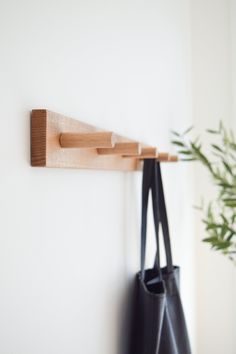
point(69, 238)
point(232, 9)
point(212, 100)
point(233, 117)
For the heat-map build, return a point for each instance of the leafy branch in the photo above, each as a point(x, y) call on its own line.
point(220, 215)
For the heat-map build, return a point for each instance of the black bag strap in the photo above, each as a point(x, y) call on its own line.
point(156, 215)
point(158, 191)
point(147, 184)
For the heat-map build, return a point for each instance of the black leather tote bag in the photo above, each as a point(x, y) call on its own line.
point(158, 319)
point(149, 298)
point(174, 335)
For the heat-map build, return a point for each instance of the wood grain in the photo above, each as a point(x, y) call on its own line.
point(63, 142)
point(46, 128)
point(126, 148)
point(163, 156)
point(173, 158)
point(87, 140)
point(147, 152)
point(38, 137)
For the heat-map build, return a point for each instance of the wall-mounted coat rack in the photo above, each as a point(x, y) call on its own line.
point(59, 141)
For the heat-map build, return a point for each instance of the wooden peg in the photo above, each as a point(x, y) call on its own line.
point(96, 149)
point(163, 156)
point(173, 158)
point(147, 152)
point(87, 140)
point(124, 148)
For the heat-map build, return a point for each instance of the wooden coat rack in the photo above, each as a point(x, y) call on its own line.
point(59, 141)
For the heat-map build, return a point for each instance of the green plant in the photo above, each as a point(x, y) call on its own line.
point(220, 214)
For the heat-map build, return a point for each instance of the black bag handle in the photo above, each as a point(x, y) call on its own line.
point(158, 191)
point(147, 184)
point(156, 215)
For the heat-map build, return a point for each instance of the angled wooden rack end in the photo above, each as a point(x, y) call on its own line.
point(62, 142)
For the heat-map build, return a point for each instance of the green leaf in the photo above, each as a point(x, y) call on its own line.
point(230, 204)
point(221, 127)
point(224, 218)
point(223, 245)
point(228, 168)
point(185, 152)
point(179, 143)
point(213, 226)
point(192, 159)
point(175, 133)
point(233, 200)
point(201, 156)
point(230, 236)
point(232, 146)
point(225, 185)
point(209, 212)
point(211, 131)
point(218, 155)
point(220, 218)
point(233, 217)
point(212, 239)
point(216, 147)
point(223, 232)
point(188, 130)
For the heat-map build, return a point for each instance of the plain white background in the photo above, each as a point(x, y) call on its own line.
point(69, 239)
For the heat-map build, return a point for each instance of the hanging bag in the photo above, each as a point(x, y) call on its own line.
point(158, 319)
point(174, 335)
point(149, 298)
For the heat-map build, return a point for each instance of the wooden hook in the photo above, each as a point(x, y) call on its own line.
point(123, 148)
point(87, 140)
point(173, 158)
point(147, 152)
point(63, 142)
point(163, 156)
